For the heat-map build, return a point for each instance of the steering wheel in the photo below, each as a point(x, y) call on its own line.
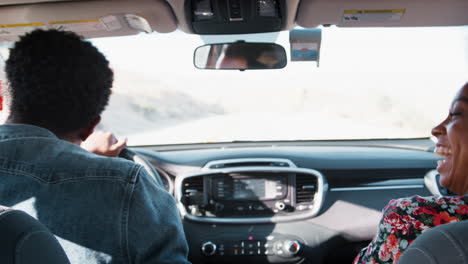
point(155, 173)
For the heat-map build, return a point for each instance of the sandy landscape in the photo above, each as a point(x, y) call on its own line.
point(242, 106)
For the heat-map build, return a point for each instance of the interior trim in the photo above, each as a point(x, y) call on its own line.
point(376, 188)
point(430, 181)
point(422, 144)
point(213, 163)
point(384, 185)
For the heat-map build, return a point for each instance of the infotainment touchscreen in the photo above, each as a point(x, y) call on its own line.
point(249, 189)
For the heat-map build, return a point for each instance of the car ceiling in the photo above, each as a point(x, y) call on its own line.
point(169, 15)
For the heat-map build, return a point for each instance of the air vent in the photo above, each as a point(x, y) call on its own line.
point(192, 194)
point(306, 187)
point(192, 185)
point(223, 164)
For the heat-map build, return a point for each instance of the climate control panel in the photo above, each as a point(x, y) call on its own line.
point(269, 246)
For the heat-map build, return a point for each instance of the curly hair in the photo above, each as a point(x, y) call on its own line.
point(57, 81)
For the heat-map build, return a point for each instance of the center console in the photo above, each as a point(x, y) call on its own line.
point(253, 191)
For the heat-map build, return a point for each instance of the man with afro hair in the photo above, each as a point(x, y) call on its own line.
point(102, 209)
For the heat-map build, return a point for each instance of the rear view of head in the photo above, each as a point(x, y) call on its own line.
point(57, 81)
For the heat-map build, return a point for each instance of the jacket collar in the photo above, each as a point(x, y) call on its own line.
point(10, 131)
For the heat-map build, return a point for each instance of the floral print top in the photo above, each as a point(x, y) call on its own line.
point(405, 219)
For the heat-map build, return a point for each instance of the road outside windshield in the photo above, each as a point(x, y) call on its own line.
point(371, 83)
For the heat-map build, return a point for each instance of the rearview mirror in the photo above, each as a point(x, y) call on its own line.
point(240, 56)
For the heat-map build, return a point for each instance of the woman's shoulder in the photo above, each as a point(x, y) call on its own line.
point(430, 211)
point(434, 201)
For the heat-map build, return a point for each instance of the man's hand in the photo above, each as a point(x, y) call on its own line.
point(104, 144)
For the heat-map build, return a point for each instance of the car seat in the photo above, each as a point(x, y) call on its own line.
point(24, 240)
point(446, 243)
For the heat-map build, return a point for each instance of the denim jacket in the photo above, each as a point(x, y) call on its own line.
point(102, 210)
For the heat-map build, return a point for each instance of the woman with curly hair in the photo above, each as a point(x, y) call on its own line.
point(406, 218)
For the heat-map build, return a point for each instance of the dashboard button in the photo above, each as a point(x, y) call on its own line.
point(278, 245)
point(301, 207)
point(286, 248)
point(208, 248)
point(260, 208)
point(280, 206)
point(291, 247)
point(219, 207)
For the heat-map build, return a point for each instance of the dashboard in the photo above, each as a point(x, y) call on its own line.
point(289, 204)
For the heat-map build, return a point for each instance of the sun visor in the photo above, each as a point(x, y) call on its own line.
point(18, 2)
point(91, 19)
point(372, 13)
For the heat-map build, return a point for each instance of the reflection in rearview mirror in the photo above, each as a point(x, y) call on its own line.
point(240, 56)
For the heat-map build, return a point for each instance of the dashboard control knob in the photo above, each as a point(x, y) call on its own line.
point(280, 206)
point(291, 247)
point(208, 248)
point(219, 207)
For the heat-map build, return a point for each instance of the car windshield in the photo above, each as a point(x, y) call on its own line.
point(370, 83)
